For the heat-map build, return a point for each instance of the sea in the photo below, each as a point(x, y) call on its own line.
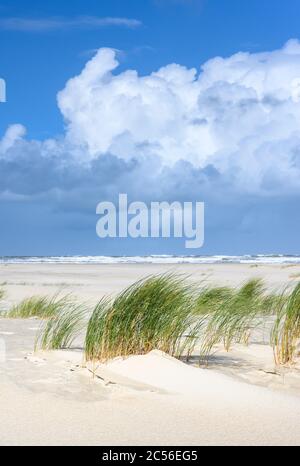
point(154, 259)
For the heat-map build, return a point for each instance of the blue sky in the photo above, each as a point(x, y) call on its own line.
point(48, 195)
point(37, 65)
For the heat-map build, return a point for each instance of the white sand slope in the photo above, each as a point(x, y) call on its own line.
point(242, 412)
point(50, 399)
point(159, 372)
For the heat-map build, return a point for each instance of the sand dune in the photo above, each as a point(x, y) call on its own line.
point(51, 398)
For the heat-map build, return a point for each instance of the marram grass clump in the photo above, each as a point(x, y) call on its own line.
point(62, 328)
point(286, 330)
point(167, 313)
point(211, 298)
point(41, 307)
point(154, 313)
point(236, 315)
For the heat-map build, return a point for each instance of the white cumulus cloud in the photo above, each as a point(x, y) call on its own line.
point(12, 135)
point(240, 114)
point(236, 119)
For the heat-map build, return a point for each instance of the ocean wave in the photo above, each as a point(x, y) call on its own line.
point(155, 259)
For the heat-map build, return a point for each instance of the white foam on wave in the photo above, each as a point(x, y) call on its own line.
point(156, 259)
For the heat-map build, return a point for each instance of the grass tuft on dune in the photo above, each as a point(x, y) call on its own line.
point(167, 313)
point(286, 330)
point(235, 315)
point(42, 307)
point(2, 293)
point(63, 327)
point(154, 313)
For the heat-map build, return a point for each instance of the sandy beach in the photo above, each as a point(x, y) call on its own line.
point(91, 281)
point(149, 226)
point(52, 398)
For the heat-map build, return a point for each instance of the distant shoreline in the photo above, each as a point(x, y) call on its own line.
point(154, 259)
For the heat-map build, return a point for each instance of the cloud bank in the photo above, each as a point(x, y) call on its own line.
point(239, 115)
point(238, 119)
point(228, 130)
